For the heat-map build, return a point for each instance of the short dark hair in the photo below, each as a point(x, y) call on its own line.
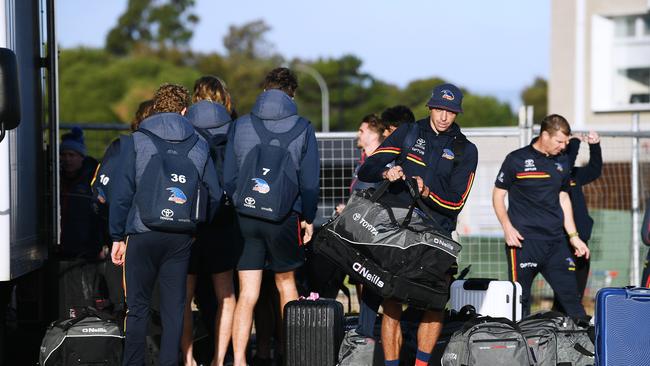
point(171, 98)
point(553, 123)
point(145, 109)
point(395, 116)
point(374, 123)
point(283, 79)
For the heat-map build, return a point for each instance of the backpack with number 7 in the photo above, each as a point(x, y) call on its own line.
point(267, 185)
point(171, 196)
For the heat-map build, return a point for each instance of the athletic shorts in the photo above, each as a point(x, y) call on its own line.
point(218, 246)
point(275, 246)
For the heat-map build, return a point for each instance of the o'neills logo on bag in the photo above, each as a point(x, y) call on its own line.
point(365, 224)
point(94, 330)
point(365, 273)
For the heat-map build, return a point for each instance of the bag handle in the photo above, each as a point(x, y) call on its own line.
point(488, 319)
point(83, 314)
point(183, 147)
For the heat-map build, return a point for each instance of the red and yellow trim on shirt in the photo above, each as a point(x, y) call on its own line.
point(389, 150)
point(454, 205)
point(533, 175)
point(415, 159)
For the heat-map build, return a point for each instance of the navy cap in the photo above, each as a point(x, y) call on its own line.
point(448, 97)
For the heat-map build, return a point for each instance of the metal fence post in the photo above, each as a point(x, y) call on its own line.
point(522, 126)
point(635, 183)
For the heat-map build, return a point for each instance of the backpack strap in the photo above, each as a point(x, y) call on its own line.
point(209, 139)
point(162, 145)
point(460, 142)
point(409, 140)
point(285, 138)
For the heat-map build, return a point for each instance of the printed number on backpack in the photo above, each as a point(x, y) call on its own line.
point(265, 171)
point(178, 178)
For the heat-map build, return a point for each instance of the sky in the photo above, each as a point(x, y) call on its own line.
point(494, 47)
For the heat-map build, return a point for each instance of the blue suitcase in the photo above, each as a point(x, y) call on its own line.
point(623, 326)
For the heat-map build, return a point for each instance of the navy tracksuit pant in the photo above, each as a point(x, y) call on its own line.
point(149, 256)
point(555, 262)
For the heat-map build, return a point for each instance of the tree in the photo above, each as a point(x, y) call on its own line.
point(537, 96)
point(153, 24)
point(248, 40)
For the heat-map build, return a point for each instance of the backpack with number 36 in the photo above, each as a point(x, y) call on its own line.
point(267, 186)
point(171, 197)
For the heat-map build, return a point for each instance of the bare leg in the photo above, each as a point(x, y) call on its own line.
point(429, 330)
point(249, 290)
point(186, 340)
point(225, 292)
point(391, 333)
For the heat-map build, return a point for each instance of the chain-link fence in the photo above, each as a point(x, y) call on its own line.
point(610, 199)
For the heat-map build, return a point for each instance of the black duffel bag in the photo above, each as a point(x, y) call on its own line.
point(398, 252)
point(91, 338)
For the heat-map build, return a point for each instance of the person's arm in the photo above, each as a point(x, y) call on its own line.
point(121, 200)
point(309, 176)
point(374, 168)
point(511, 235)
point(580, 247)
point(230, 168)
point(572, 150)
point(451, 199)
point(594, 168)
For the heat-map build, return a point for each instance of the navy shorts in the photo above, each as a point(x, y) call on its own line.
point(275, 246)
point(218, 246)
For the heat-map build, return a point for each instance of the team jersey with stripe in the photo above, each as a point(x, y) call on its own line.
point(432, 158)
point(534, 181)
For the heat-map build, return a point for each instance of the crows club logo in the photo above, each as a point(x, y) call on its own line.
point(559, 167)
point(356, 216)
point(447, 94)
point(261, 186)
point(570, 262)
point(448, 154)
point(167, 213)
point(177, 195)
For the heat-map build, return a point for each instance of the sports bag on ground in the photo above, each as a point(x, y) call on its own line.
point(555, 339)
point(171, 196)
point(89, 339)
point(396, 251)
point(487, 341)
point(268, 186)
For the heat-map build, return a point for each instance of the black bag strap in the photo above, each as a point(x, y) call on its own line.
point(183, 147)
point(285, 138)
point(459, 148)
point(83, 314)
point(409, 140)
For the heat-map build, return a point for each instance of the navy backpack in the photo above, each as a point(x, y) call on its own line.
point(267, 186)
point(171, 197)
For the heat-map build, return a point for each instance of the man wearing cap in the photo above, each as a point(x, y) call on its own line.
point(443, 162)
point(81, 227)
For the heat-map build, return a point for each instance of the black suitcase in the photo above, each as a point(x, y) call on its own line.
point(313, 331)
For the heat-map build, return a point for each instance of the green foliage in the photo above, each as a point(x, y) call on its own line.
point(537, 96)
point(483, 111)
point(153, 24)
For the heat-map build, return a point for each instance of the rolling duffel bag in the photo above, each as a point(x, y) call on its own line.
point(398, 252)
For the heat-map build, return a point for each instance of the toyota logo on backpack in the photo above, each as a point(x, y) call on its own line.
point(249, 200)
point(356, 216)
point(167, 212)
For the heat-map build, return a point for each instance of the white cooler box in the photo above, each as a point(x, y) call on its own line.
point(489, 297)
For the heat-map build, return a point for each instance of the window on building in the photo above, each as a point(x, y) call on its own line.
point(620, 62)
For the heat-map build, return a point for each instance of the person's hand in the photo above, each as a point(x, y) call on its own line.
point(117, 253)
point(512, 236)
point(308, 231)
point(394, 173)
point(339, 208)
point(581, 249)
point(593, 137)
point(422, 188)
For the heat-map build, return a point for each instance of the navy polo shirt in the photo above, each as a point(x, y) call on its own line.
point(534, 181)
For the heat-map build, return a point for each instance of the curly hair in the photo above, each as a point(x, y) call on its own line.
point(145, 109)
point(282, 78)
point(213, 89)
point(171, 98)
